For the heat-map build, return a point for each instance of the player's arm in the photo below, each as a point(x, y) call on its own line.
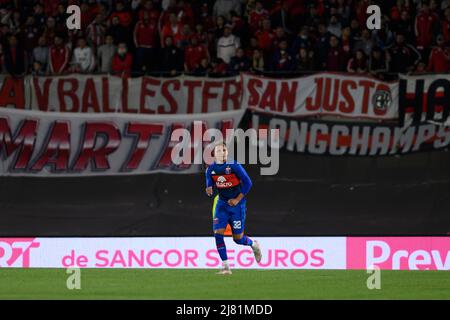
point(246, 184)
point(209, 182)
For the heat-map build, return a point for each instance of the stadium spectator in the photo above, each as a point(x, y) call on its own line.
point(50, 30)
point(378, 63)
point(265, 36)
point(204, 68)
point(146, 42)
point(194, 54)
point(149, 9)
point(59, 56)
point(279, 36)
point(334, 26)
point(30, 34)
point(305, 60)
point(41, 55)
point(257, 63)
point(358, 63)
point(239, 63)
point(384, 37)
point(301, 41)
point(122, 13)
point(321, 46)
point(185, 37)
point(14, 57)
point(95, 32)
point(281, 59)
point(255, 25)
point(336, 57)
point(105, 54)
point(122, 62)
point(172, 59)
point(37, 69)
point(404, 26)
point(420, 68)
point(439, 60)
point(173, 28)
point(224, 7)
point(425, 26)
point(39, 14)
point(219, 67)
point(403, 57)
point(285, 62)
point(201, 34)
point(14, 21)
point(355, 30)
point(446, 26)
point(61, 18)
point(83, 59)
point(346, 41)
point(256, 16)
point(365, 43)
point(86, 16)
point(118, 31)
point(227, 44)
point(281, 17)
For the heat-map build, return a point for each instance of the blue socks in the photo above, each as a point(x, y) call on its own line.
point(245, 241)
point(222, 249)
point(220, 244)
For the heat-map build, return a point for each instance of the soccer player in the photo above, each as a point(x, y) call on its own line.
point(232, 184)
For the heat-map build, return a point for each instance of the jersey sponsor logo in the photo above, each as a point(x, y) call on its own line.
point(226, 181)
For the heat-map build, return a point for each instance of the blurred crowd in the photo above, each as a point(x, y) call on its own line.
point(224, 37)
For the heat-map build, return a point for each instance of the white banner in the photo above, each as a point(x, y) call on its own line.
point(361, 253)
point(322, 94)
point(184, 94)
point(143, 95)
point(181, 252)
point(35, 143)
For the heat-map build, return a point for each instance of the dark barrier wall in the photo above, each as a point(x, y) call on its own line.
point(310, 196)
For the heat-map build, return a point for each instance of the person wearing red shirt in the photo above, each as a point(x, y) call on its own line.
point(122, 61)
point(265, 36)
point(86, 16)
point(124, 16)
point(172, 29)
point(185, 13)
point(440, 57)
point(51, 7)
point(256, 16)
point(193, 54)
point(146, 41)
point(425, 24)
point(59, 56)
point(149, 8)
point(446, 26)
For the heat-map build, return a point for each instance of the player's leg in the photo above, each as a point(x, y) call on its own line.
point(237, 225)
point(220, 221)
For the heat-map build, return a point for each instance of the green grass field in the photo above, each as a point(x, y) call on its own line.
point(205, 284)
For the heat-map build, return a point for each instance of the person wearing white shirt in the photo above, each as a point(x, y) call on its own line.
point(227, 45)
point(83, 57)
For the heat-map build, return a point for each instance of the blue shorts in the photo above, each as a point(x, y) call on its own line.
point(225, 214)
